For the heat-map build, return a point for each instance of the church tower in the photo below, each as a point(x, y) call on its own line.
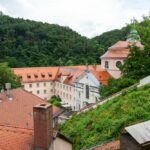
point(116, 54)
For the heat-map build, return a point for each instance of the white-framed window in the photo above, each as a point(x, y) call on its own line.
point(37, 84)
point(38, 92)
point(30, 85)
point(44, 83)
point(45, 91)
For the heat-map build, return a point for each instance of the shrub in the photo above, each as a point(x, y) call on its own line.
point(55, 100)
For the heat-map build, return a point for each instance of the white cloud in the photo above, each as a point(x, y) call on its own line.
point(88, 17)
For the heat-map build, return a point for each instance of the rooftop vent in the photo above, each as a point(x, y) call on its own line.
point(8, 87)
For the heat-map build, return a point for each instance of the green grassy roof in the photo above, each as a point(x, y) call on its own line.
point(108, 120)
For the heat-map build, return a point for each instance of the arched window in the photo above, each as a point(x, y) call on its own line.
point(87, 91)
point(118, 64)
point(106, 64)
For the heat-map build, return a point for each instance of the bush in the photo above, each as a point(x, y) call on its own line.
point(115, 85)
point(55, 100)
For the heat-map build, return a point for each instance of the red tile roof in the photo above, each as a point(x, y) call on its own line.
point(123, 53)
point(113, 145)
point(18, 112)
point(120, 49)
point(125, 44)
point(33, 74)
point(12, 138)
point(37, 74)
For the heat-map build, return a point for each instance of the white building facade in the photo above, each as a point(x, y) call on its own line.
point(77, 86)
point(86, 90)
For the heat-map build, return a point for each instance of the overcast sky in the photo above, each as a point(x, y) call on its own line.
point(88, 17)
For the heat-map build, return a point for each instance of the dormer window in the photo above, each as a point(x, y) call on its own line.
point(43, 75)
point(35, 75)
point(106, 64)
point(49, 74)
point(28, 76)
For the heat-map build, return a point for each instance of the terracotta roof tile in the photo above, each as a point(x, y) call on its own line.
point(15, 138)
point(113, 145)
point(120, 49)
point(33, 74)
point(116, 53)
point(18, 112)
point(125, 44)
point(37, 74)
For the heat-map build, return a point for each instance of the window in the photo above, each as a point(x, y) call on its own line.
point(28, 76)
point(44, 84)
point(43, 75)
point(87, 91)
point(44, 91)
point(79, 94)
point(37, 84)
point(35, 75)
point(106, 64)
point(49, 74)
point(118, 64)
point(30, 85)
point(38, 92)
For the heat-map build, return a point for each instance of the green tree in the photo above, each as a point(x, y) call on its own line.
point(7, 76)
point(137, 64)
point(55, 100)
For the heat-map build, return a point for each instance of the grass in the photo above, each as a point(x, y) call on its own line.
point(107, 121)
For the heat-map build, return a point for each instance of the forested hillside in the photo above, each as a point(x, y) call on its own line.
point(30, 43)
point(107, 121)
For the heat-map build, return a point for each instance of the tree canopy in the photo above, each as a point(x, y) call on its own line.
point(7, 76)
point(30, 43)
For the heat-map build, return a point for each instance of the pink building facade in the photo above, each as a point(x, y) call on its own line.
point(117, 53)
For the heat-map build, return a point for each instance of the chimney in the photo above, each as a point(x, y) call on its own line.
point(43, 126)
point(8, 87)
